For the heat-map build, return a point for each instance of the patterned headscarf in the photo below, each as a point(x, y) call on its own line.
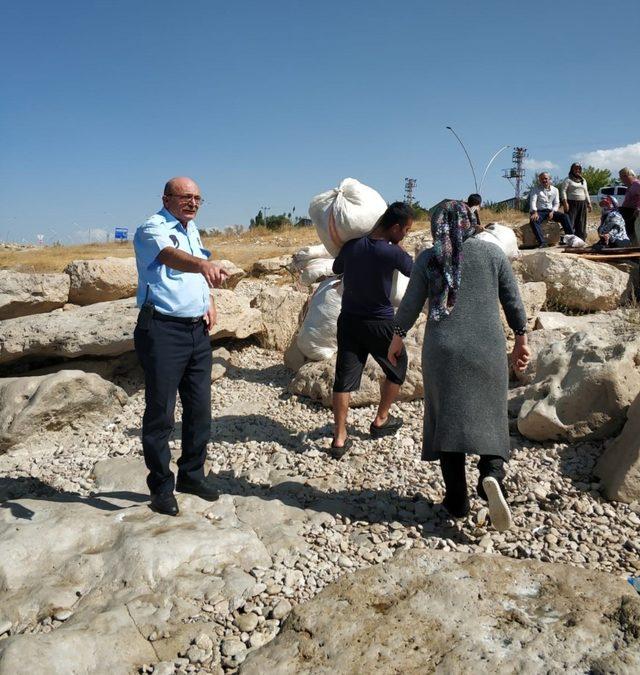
point(451, 225)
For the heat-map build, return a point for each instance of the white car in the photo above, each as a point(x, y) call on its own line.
point(617, 191)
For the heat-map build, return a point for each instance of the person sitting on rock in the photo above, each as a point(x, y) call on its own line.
point(612, 230)
point(544, 203)
point(365, 324)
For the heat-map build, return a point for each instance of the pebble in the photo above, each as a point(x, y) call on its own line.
point(62, 614)
point(281, 610)
point(247, 622)
point(233, 647)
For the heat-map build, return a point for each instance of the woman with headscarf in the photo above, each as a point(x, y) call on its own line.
point(464, 355)
point(612, 230)
point(574, 194)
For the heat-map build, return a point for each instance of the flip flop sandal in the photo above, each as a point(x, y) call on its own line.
point(339, 451)
point(389, 428)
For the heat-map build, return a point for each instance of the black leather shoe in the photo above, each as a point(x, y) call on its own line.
point(165, 503)
point(200, 488)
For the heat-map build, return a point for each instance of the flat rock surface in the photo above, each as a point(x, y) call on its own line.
point(75, 525)
point(453, 613)
point(106, 329)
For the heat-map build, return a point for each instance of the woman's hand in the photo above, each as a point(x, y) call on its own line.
point(395, 350)
point(521, 354)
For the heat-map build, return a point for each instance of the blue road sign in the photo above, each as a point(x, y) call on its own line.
point(122, 233)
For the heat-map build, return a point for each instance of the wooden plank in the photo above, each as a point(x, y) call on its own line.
point(609, 257)
point(605, 251)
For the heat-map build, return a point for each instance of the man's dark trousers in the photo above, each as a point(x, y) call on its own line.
point(176, 358)
point(557, 217)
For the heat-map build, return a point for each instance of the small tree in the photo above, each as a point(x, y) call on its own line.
point(420, 212)
point(258, 221)
point(597, 178)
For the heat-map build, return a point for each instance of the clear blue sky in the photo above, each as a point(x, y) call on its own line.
point(269, 103)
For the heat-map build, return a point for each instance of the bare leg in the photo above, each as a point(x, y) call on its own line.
point(388, 394)
point(340, 412)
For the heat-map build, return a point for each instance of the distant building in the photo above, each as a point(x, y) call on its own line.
point(304, 222)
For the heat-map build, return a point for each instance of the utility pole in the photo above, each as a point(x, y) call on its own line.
point(264, 210)
point(517, 172)
point(409, 187)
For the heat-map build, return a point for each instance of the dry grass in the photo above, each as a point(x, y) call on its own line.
point(243, 249)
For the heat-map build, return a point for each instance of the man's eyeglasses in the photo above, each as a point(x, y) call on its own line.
point(187, 198)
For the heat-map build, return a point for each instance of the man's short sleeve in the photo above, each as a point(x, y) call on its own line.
point(404, 262)
point(150, 239)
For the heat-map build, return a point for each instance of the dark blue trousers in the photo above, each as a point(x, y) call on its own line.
point(176, 358)
point(557, 217)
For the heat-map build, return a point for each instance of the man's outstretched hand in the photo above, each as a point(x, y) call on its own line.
point(214, 274)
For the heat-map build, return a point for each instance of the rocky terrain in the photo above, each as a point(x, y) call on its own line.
point(307, 564)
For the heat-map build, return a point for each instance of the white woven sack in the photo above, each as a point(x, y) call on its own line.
point(398, 288)
point(304, 255)
point(315, 270)
point(346, 212)
point(317, 337)
point(502, 236)
point(573, 241)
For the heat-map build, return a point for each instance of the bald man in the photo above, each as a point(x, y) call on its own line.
point(172, 342)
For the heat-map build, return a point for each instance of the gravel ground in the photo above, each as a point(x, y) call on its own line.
point(376, 500)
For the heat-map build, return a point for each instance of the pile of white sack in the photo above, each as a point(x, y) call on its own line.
point(347, 212)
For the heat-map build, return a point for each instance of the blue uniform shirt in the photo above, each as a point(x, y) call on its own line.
point(171, 291)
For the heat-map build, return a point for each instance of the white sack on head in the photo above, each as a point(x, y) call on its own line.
point(398, 288)
point(317, 338)
point(346, 212)
point(316, 270)
point(502, 236)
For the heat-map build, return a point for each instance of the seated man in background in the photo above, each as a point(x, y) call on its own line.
point(365, 324)
point(612, 231)
point(630, 209)
point(543, 205)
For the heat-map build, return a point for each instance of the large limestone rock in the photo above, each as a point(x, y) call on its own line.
point(534, 295)
point(315, 378)
point(282, 311)
point(583, 386)
point(278, 265)
point(30, 405)
point(619, 465)
point(102, 280)
point(567, 324)
point(576, 283)
point(106, 329)
point(235, 273)
point(23, 294)
point(129, 584)
point(551, 230)
point(436, 612)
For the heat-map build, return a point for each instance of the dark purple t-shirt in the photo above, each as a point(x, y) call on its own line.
point(367, 266)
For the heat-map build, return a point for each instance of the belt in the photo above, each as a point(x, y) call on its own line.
point(176, 319)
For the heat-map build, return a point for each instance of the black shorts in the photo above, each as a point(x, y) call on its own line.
point(357, 338)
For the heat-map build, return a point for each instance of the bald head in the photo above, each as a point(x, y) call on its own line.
point(182, 198)
point(181, 185)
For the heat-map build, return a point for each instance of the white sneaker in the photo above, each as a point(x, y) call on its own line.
point(498, 507)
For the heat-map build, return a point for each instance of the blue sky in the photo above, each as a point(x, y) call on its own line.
point(269, 103)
